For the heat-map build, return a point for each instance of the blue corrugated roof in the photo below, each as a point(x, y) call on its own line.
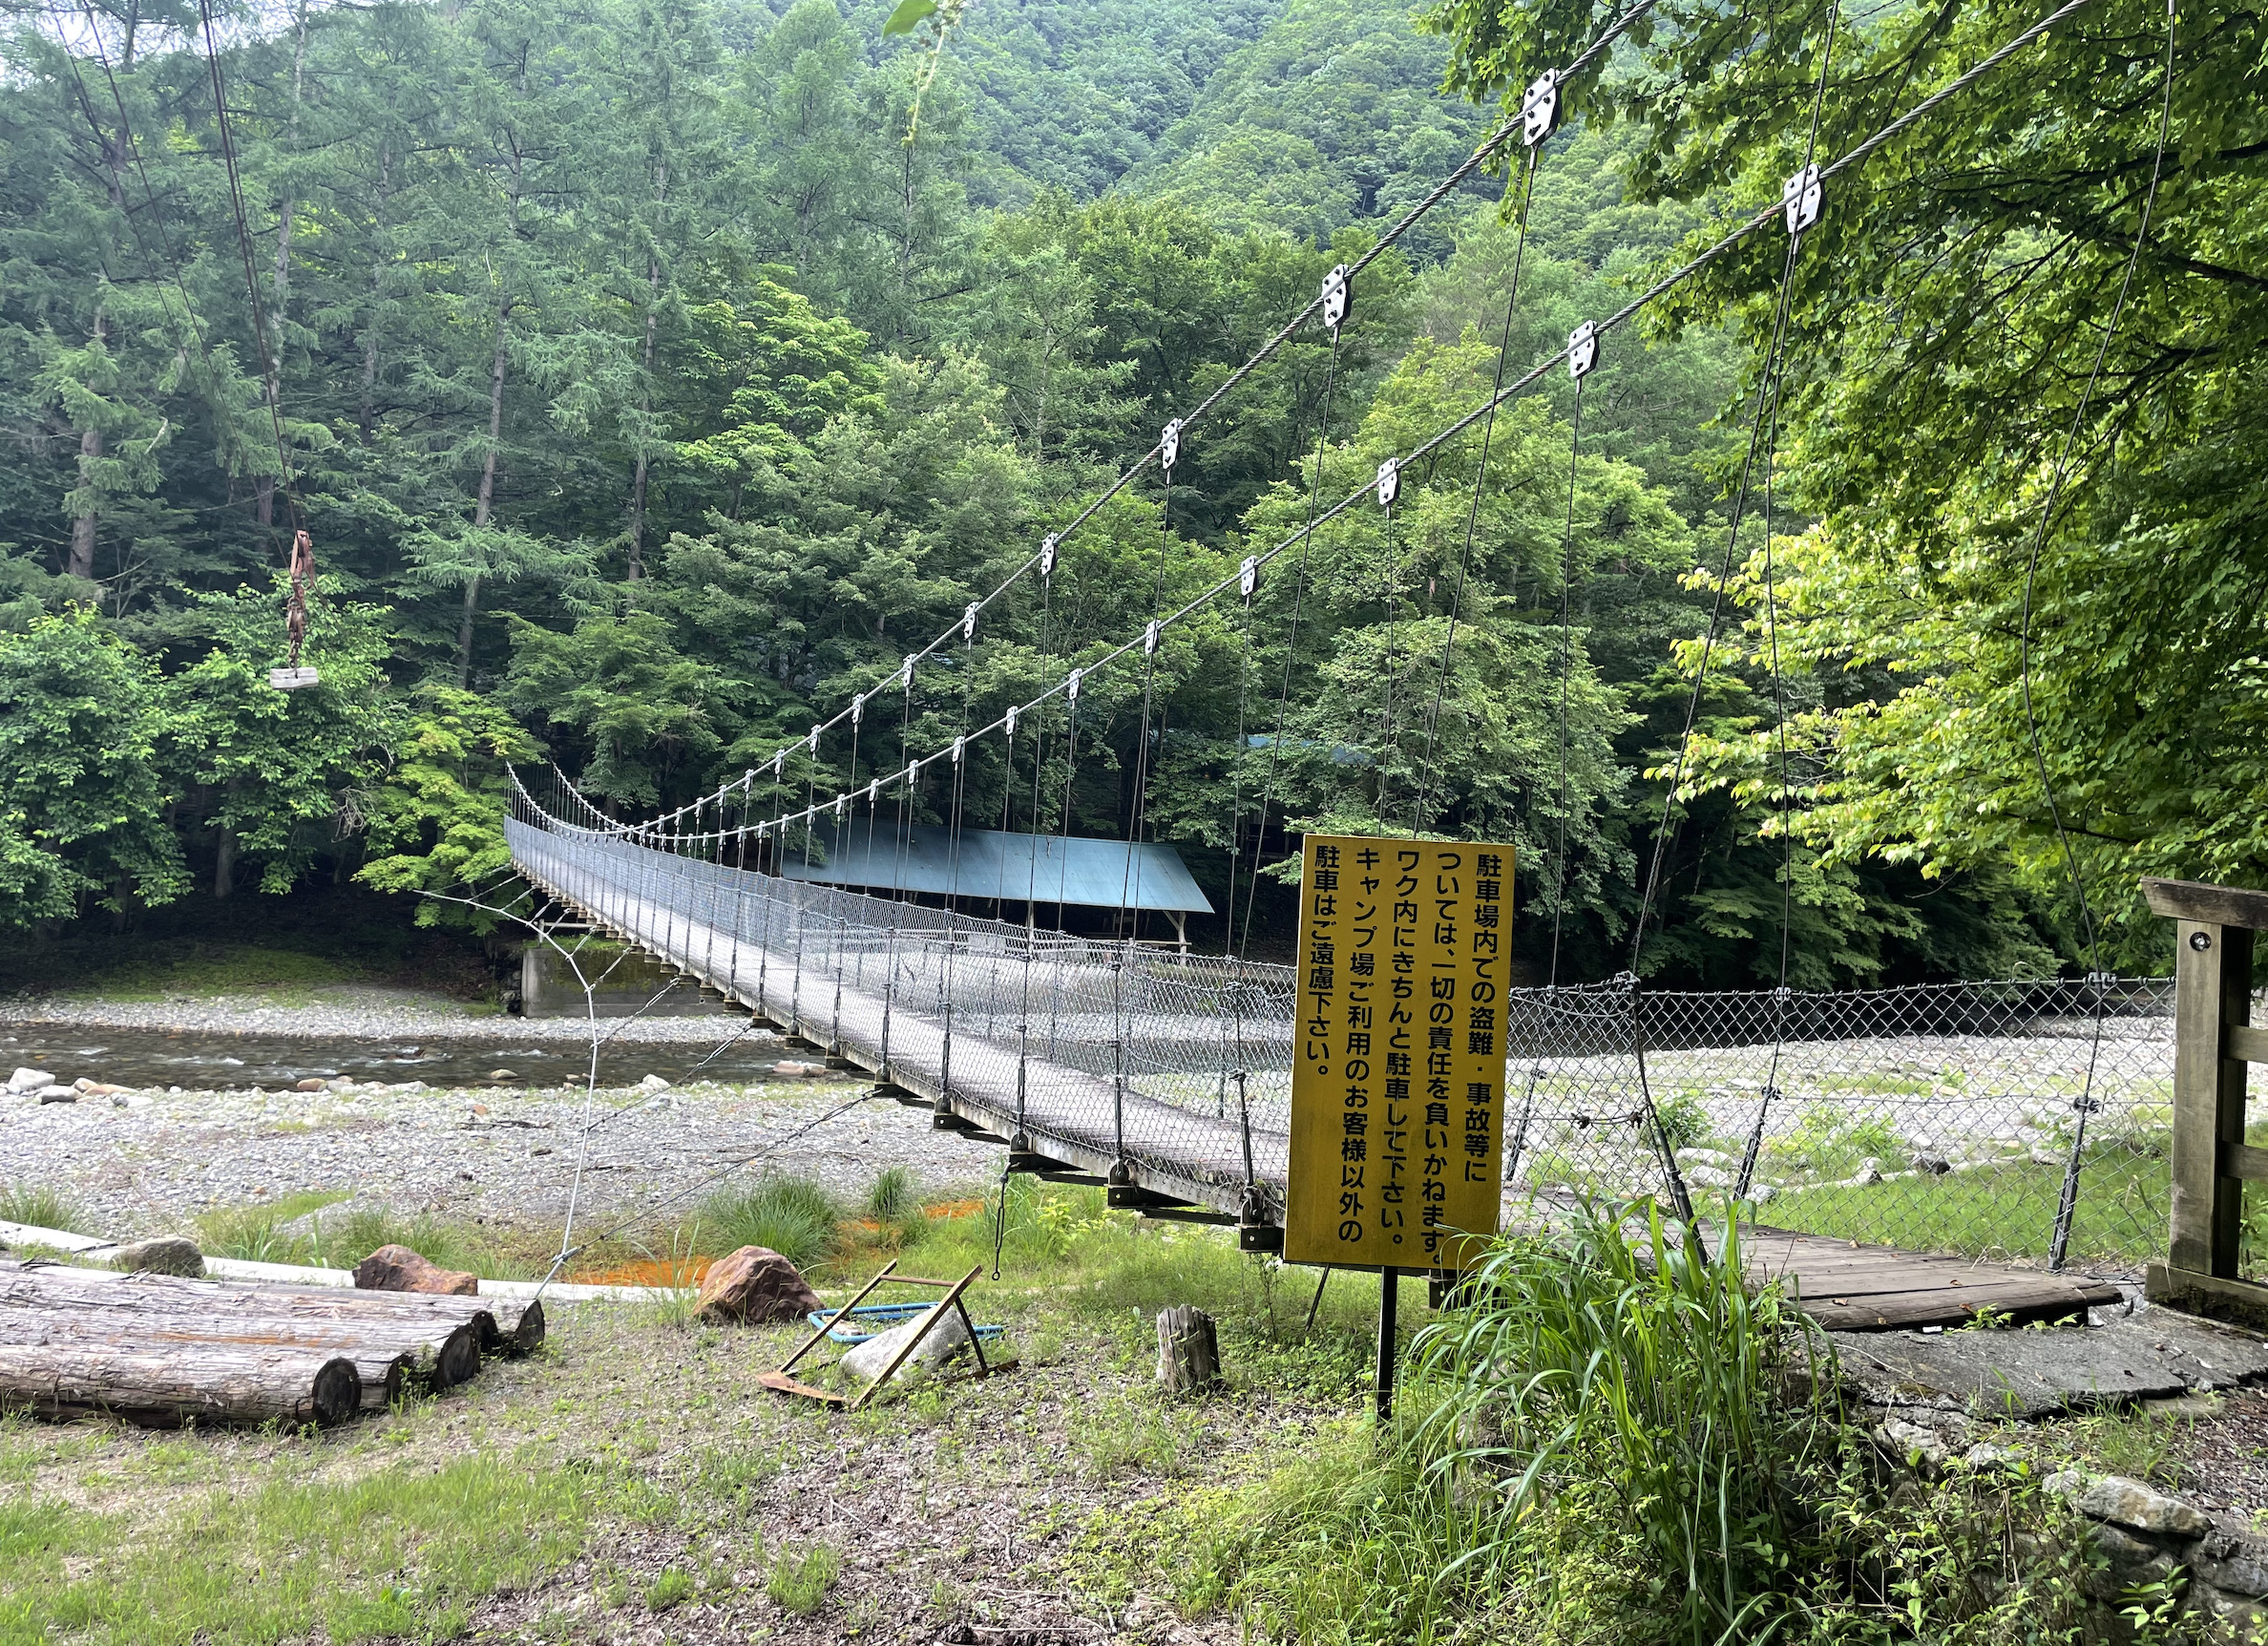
point(990, 863)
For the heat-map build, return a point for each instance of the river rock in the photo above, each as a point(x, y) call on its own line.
point(757, 1285)
point(653, 1083)
point(56, 1094)
point(29, 1080)
point(98, 1088)
point(311, 1084)
point(165, 1255)
point(945, 1340)
point(398, 1269)
point(798, 1071)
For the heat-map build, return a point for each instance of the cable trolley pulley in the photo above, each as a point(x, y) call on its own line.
point(1389, 482)
point(1539, 108)
point(1339, 296)
point(1247, 577)
point(1799, 198)
point(1583, 349)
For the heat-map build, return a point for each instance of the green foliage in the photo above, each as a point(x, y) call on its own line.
point(435, 820)
point(1937, 400)
point(39, 1206)
point(795, 1217)
point(82, 782)
point(799, 1579)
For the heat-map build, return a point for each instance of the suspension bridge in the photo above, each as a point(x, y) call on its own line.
point(1166, 1076)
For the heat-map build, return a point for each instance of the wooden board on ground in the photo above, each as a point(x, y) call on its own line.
point(1847, 1287)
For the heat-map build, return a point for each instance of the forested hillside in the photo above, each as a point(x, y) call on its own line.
point(650, 377)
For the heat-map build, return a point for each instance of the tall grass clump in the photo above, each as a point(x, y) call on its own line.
point(795, 1217)
point(1637, 1368)
point(40, 1207)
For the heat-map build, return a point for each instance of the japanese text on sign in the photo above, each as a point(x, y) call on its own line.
point(1397, 1066)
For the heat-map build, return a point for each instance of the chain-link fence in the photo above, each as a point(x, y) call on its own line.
point(2019, 1121)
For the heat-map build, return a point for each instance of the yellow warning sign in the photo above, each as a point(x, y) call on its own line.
point(1397, 1056)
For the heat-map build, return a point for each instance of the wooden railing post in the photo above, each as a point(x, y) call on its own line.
point(2213, 1042)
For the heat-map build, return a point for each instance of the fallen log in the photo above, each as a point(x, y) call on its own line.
point(166, 1388)
point(513, 1326)
point(392, 1357)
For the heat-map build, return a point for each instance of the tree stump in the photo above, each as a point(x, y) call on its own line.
point(1188, 1351)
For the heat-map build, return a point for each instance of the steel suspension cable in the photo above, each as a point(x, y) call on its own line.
point(1275, 746)
point(1531, 160)
point(2067, 1200)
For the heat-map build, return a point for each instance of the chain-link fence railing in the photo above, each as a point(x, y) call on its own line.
point(2019, 1121)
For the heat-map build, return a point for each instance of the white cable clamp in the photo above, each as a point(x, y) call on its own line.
point(969, 623)
point(1539, 108)
point(858, 709)
point(841, 805)
point(1583, 349)
point(1339, 296)
point(1047, 555)
point(1169, 445)
point(1071, 685)
point(960, 746)
point(779, 763)
point(1150, 637)
point(1389, 482)
point(1009, 722)
point(1247, 577)
point(906, 671)
point(874, 793)
point(1799, 199)
point(813, 739)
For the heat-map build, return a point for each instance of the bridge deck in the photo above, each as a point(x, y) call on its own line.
point(807, 978)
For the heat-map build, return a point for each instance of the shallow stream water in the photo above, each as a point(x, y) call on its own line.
point(211, 1061)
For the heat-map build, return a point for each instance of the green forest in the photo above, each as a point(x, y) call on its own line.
point(652, 375)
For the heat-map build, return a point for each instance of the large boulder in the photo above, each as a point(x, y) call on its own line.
point(757, 1285)
point(398, 1269)
point(165, 1255)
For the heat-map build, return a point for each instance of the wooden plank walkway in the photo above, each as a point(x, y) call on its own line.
point(1848, 1287)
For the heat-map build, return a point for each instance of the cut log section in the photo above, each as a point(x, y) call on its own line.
point(168, 1386)
point(509, 1325)
point(77, 1340)
point(391, 1361)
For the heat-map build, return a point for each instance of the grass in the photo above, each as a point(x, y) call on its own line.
point(291, 977)
point(2006, 1211)
point(257, 1233)
point(799, 1579)
point(399, 1552)
point(795, 1217)
point(40, 1207)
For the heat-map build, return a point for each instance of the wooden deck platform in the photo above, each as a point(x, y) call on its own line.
point(1847, 1287)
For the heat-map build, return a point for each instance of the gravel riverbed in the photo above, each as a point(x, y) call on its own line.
point(149, 1159)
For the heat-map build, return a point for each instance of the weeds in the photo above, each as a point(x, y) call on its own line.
point(673, 1588)
point(795, 1217)
point(40, 1207)
point(799, 1582)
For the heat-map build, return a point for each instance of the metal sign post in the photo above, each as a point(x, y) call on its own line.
point(1398, 1069)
